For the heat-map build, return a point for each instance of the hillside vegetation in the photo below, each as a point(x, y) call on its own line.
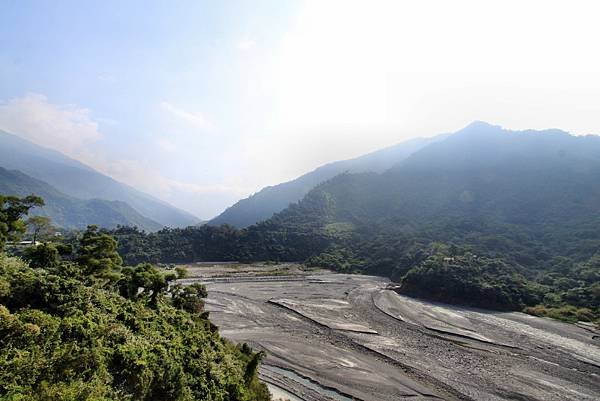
point(486, 217)
point(77, 325)
point(270, 200)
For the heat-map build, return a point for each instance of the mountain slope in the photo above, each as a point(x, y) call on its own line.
point(527, 178)
point(527, 197)
point(80, 181)
point(69, 212)
point(273, 199)
point(486, 217)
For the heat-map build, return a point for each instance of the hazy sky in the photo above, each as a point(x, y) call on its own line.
point(202, 103)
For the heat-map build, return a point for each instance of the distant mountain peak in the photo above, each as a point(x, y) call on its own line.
point(77, 180)
point(69, 212)
point(263, 204)
point(479, 124)
point(480, 128)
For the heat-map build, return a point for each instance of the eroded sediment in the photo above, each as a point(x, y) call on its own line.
point(349, 336)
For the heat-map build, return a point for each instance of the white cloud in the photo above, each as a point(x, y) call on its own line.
point(431, 65)
point(195, 119)
point(71, 130)
point(245, 44)
point(205, 201)
point(166, 144)
point(68, 128)
point(107, 78)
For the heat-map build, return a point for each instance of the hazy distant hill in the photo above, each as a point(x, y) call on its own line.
point(524, 195)
point(485, 217)
point(80, 181)
point(273, 199)
point(69, 212)
point(482, 171)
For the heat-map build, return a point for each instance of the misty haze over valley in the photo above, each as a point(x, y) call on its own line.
point(301, 201)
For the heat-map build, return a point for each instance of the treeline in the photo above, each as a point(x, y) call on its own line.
point(546, 270)
point(265, 241)
point(77, 324)
point(550, 270)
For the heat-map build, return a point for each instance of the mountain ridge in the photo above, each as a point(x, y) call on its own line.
point(69, 212)
point(78, 180)
point(487, 217)
point(272, 199)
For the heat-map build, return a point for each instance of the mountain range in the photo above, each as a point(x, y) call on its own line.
point(76, 194)
point(470, 186)
point(70, 212)
point(485, 217)
point(273, 199)
point(483, 171)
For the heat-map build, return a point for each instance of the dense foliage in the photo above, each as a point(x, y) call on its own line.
point(263, 204)
point(90, 329)
point(490, 266)
point(483, 218)
point(12, 208)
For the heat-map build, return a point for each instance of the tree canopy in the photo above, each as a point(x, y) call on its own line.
point(69, 334)
point(12, 209)
point(40, 227)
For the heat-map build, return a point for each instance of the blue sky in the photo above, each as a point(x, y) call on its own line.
point(166, 83)
point(204, 102)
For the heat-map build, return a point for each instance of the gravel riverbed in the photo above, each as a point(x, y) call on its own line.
point(349, 337)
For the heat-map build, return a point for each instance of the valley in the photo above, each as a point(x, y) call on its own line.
point(342, 337)
point(299, 201)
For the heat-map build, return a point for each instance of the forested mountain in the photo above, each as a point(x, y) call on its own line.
point(80, 181)
point(485, 217)
point(273, 199)
point(482, 172)
point(69, 212)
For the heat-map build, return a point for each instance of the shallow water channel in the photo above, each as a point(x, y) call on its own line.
point(278, 393)
point(313, 385)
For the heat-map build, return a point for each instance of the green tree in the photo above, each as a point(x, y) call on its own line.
point(43, 255)
point(12, 209)
point(252, 367)
point(189, 298)
point(63, 339)
point(40, 227)
point(144, 281)
point(98, 255)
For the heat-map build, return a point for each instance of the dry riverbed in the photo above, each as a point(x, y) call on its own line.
point(348, 337)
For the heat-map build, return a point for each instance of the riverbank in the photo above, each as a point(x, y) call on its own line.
point(337, 337)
